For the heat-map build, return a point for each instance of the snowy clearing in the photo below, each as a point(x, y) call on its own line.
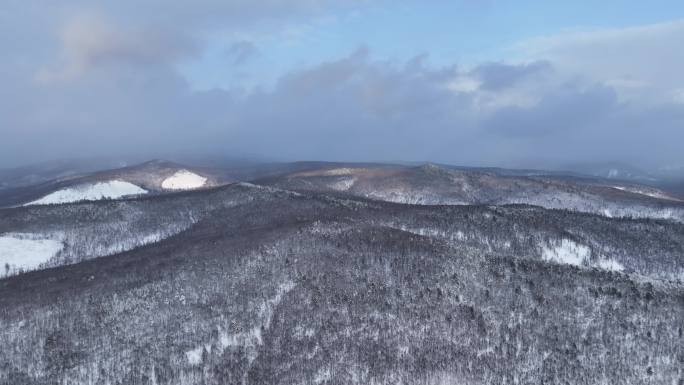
point(25, 251)
point(653, 193)
point(610, 264)
point(184, 180)
point(343, 171)
point(195, 356)
point(340, 171)
point(566, 252)
point(344, 184)
point(90, 192)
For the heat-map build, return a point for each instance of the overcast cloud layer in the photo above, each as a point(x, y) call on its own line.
point(84, 80)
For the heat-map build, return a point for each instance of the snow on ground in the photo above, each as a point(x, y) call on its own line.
point(194, 356)
point(323, 376)
point(413, 197)
point(25, 251)
point(90, 192)
point(253, 337)
point(566, 252)
point(572, 253)
point(184, 180)
point(340, 171)
point(610, 264)
point(653, 193)
point(344, 184)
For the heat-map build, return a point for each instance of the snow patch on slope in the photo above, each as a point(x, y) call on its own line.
point(253, 337)
point(20, 251)
point(323, 376)
point(344, 184)
point(566, 252)
point(610, 264)
point(413, 197)
point(340, 171)
point(90, 192)
point(653, 193)
point(195, 356)
point(184, 180)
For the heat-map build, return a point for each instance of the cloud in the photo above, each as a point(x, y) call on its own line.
point(109, 84)
point(126, 32)
point(360, 108)
point(353, 108)
point(89, 41)
point(241, 51)
point(497, 76)
point(86, 78)
point(640, 62)
point(564, 110)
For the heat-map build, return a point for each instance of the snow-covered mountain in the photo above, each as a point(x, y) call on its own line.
point(436, 185)
point(343, 273)
point(154, 177)
point(184, 180)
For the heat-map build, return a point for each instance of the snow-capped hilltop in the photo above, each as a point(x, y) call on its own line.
point(162, 176)
point(153, 177)
point(432, 184)
point(90, 192)
point(184, 180)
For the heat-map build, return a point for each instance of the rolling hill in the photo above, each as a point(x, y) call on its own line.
point(421, 275)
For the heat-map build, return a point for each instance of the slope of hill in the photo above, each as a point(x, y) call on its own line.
point(34, 174)
point(151, 177)
point(272, 287)
point(112, 189)
point(92, 229)
point(88, 230)
point(431, 185)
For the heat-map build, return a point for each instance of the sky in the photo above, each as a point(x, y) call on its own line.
point(491, 83)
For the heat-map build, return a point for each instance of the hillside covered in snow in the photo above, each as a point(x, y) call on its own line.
point(320, 275)
point(90, 192)
point(154, 177)
point(437, 185)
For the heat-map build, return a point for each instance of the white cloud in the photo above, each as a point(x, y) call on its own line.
point(110, 81)
point(639, 62)
point(91, 40)
point(465, 84)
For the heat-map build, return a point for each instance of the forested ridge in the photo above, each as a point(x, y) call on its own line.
point(268, 286)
